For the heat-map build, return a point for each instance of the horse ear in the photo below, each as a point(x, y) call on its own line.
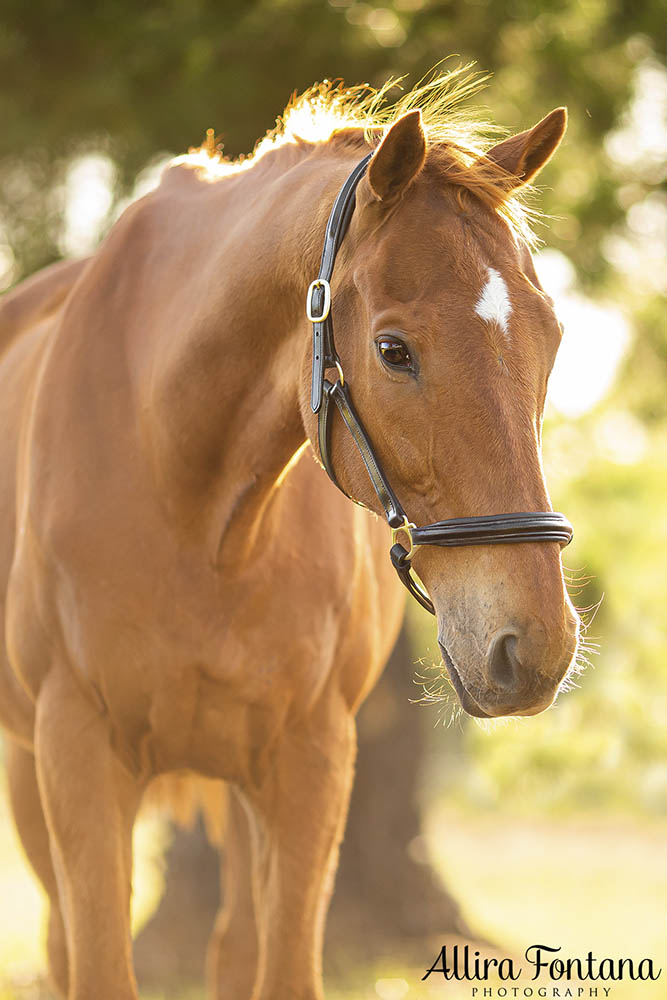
point(399, 157)
point(524, 155)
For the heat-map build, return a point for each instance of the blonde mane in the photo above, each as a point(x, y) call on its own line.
point(457, 137)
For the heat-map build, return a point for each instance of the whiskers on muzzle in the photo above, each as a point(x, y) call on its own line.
point(587, 645)
point(437, 691)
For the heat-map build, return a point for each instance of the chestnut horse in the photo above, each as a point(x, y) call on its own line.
point(185, 588)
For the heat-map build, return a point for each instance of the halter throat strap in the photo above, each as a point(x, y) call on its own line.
point(494, 529)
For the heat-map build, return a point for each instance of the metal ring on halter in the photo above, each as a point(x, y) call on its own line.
point(341, 377)
point(326, 305)
point(406, 528)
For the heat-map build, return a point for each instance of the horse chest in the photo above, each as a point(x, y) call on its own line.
point(218, 704)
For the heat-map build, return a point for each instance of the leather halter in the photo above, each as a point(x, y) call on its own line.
point(494, 529)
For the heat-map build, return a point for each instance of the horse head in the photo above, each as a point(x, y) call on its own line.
point(447, 340)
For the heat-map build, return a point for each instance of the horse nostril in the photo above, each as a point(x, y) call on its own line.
point(503, 662)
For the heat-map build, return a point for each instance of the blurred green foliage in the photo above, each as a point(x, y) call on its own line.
point(132, 81)
point(604, 743)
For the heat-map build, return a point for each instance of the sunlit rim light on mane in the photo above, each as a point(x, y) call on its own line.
point(457, 137)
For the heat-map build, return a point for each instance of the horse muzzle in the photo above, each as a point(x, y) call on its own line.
point(517, 675)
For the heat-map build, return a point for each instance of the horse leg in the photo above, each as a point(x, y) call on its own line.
point(90, 803)
point(31, 827)
point(231, 961)
point(302, 807)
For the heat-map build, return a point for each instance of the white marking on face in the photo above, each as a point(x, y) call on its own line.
point(494, 303)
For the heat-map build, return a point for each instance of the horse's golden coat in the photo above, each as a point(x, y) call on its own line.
point(186, 589)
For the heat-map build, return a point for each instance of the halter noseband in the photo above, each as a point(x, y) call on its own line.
point(494, 529)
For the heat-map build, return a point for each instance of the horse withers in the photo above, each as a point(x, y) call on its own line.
point(186, 590)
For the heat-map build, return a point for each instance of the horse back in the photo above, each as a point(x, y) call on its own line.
point(36, 299)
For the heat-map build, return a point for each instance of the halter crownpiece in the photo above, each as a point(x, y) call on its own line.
point(494, 529)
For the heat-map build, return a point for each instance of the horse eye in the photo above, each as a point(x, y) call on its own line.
point(394, 353)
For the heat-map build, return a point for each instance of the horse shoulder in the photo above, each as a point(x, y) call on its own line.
point(348, 578)
point(28, 318)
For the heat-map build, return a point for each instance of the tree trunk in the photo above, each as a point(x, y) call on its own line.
point(387, 898)
point(170, 949)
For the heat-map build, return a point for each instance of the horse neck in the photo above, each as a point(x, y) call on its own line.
point(224, 392)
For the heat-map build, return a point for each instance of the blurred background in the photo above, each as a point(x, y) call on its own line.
point(550, 829)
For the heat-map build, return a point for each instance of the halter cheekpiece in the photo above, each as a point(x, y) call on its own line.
point(494, 529)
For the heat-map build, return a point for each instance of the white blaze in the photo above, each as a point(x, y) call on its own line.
point(494, 303)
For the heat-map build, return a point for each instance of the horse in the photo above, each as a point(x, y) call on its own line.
point(185, 589)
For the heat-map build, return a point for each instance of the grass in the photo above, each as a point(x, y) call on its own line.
point(599, 884)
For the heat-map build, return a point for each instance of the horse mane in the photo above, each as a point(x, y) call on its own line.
point(330, 112)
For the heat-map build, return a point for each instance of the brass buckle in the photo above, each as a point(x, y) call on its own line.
point(326, 305)
point(406, 528)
